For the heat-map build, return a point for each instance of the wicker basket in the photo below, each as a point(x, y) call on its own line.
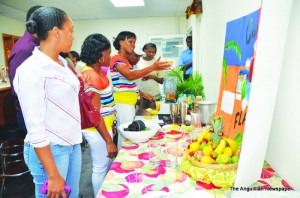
point(219, 167)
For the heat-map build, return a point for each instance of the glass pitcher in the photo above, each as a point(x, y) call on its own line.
point(170, 84)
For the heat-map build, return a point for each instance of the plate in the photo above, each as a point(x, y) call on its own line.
point(168, 127)
point(174, 133)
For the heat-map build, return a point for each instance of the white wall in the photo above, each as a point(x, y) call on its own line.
point(110, 28)
point(9, 26)
point(284, 144)
point(212, 37)
point(142, 27)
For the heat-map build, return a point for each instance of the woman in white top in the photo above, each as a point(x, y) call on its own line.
point(48, 93)
point(150, 83)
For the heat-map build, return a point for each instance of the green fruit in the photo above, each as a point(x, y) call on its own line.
point(202, 146)
point(223, 159)
point(235, 159)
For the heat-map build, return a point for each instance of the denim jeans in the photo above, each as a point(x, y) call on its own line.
point(68, 163)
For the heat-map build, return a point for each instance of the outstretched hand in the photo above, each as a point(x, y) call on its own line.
point(161, 65)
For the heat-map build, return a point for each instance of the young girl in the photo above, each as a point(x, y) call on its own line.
point(95, 52)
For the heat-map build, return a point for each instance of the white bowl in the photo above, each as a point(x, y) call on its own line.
point(167, 133)
point(139, 136)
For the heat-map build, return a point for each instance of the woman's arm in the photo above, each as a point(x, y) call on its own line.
point(147, 96)
point(156, 78)
point(133, 75)
point(55, 181)
point(110, 145)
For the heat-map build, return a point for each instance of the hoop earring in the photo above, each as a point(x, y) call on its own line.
point(101, 59)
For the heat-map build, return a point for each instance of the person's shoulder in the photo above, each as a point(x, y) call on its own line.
point(29, 65)
point(186, 50)
point(117, 56)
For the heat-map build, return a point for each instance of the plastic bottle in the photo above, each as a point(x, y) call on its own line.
point(191, 101)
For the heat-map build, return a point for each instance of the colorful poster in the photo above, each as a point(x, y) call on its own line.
point(237, 71)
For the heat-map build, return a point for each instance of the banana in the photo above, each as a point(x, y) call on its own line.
point(237, 152)
point(220, 148)
point(232, 144)
point(202, 135)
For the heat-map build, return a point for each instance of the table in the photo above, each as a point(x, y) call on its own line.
point(131, 175)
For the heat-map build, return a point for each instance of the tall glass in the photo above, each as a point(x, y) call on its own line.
point(196, 120)
point(174, 112)
point(183, 111)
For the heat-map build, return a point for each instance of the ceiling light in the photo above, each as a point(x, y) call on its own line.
point(127, 3)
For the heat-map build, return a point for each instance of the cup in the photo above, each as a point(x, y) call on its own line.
point(183, 111)
point(155, 154)
point(196, 120)
point(206, 109)
point(194, 134)
point(174, 112)
point(170, 150)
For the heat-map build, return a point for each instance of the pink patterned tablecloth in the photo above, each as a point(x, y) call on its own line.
point(132, 175)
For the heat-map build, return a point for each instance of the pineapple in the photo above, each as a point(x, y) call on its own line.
point(217, 124)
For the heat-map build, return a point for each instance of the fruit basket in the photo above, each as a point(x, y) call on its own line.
point(213, 174)
point(211, 157)
point(218, 167)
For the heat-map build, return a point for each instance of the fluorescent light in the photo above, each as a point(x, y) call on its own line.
point(127, 3)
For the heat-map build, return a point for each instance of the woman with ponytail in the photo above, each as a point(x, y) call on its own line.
point(48, 93)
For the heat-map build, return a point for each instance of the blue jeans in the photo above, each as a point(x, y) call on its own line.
point(68, 163)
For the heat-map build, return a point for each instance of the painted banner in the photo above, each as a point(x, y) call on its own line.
point(237, 71)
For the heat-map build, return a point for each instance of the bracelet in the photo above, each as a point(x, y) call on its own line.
point(115, 123)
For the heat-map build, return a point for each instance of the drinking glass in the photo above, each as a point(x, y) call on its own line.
point(183, 111)
point(174, 112)
point(196, 120)
point(155, 155)
point(170, 151)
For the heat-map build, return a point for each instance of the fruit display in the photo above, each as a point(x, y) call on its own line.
point(213, 156)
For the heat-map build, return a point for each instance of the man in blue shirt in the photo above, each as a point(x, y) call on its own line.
point(19, 53)
point(186, 58)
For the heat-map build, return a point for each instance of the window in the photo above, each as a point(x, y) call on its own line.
point(169, 47)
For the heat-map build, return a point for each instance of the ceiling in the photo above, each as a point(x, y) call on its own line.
point(96, 9)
